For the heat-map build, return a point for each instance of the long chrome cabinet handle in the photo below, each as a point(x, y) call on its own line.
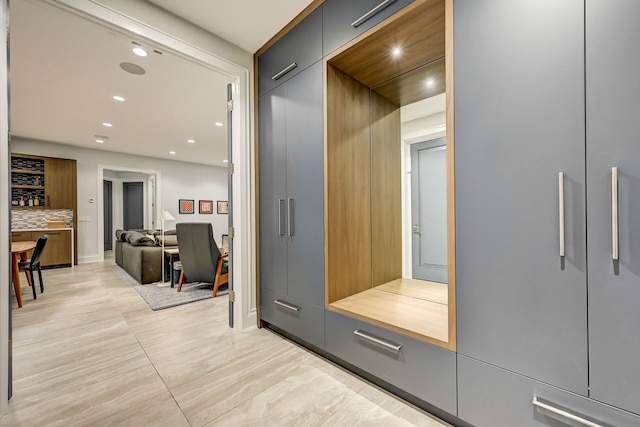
point(290, 216)
point(280, 228)
point(561, 210)
point(564, 413)
point(285, 71)
point(372, 12)
point(383, 343)
point(285, 305)
point(614, 213)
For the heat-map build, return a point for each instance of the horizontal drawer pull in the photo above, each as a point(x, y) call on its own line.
point(376, 340)
point(564, 413)
point(285, 71)
point(372, 12)
point(285, 305)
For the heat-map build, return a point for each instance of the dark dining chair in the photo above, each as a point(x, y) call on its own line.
point(33, 264)
point(200, 256)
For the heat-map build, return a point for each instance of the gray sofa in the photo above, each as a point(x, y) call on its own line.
point(139, 253)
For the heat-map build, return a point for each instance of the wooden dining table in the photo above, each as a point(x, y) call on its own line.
point(19, 249)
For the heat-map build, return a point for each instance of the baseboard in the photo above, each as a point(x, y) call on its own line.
point(89, 258)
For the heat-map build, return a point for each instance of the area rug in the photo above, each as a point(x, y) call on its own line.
point(160, 295)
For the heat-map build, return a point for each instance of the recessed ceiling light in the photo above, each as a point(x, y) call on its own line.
point(139, 51)
point(396, 51)
point(430, 82)
point(226, 161)
point(172, 152)
point(100, 141)
point(219, 124)
point(105, 124)
point(118, 98)
point(191, 141)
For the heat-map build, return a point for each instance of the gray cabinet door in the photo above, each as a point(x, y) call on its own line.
point(294, 52)
point(340, 15)
point(305, 186)
point(273, 190)
point(519, 105)
point(613, 109)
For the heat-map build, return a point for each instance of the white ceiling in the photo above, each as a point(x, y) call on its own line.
point(64, 71)
point(245, 23)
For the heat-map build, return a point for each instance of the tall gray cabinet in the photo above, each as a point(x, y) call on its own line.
point(613, 141)
point(519, 113)
point(547, 95)
point(291, 188)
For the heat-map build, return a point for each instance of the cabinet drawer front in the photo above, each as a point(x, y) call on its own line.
point(423, 370)
point(21, 236)
point(343, 20)
point(305, 321)
point(295, 51)
point(490, 396)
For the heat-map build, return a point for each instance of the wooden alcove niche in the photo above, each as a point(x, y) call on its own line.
point(363, 241)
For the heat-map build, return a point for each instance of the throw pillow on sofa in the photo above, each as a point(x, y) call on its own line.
point(139, 239)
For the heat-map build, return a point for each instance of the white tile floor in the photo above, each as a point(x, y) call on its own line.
point(89, 352)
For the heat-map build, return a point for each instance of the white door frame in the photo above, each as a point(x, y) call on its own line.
point(5, 219)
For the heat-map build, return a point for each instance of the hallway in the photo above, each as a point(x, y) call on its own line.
point(89, 352)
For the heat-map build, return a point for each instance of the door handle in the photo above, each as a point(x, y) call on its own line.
point(366, 16)
point(290, 215)
point(284, 71)
point(561, 211)
point(564, 413)
point(614, 214)
point(377, 340)
point(285, 305)
point(280, 227)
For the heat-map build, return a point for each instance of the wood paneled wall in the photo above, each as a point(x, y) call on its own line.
point(348, 185)
point(386, 191)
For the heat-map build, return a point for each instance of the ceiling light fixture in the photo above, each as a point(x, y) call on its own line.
point(219, 124)
point(397, 51)
point(138, 50)
point(172, 152)
point(108, 125)
point(100, 141)
point(191, 141)
point(225, 161)
point(118, 98)
point(430, 82)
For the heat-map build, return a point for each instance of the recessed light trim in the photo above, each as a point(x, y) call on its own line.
point(118, 98)
point(107, 125)
point(100, 141)
point(219, 124)
point(191, 141)
point(172, 152)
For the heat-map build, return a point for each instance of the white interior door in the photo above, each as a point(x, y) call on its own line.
point(429, 210)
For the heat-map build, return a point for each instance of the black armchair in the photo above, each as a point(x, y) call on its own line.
point(200, 257)
point(33, 263)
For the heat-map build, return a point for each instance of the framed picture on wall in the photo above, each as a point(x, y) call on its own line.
point(206, 207)
point(223, 207)
point(185, 206)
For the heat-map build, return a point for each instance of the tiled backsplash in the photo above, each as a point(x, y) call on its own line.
point(26, 218)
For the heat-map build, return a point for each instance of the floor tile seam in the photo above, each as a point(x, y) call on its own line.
point(151, 362)
point(155, 396)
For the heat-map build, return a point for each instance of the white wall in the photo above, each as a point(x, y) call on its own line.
point(179, 180)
